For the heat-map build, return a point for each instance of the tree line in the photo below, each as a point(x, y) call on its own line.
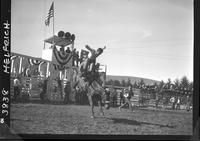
point(181, 85)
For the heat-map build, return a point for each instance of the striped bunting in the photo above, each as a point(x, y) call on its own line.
point(13, 57)
point(34, 62)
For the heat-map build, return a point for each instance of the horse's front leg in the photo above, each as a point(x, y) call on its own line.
point(92, 105)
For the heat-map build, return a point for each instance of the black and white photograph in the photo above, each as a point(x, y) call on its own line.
point(102, 67)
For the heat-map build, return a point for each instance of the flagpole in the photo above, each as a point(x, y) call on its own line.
point(53, 23)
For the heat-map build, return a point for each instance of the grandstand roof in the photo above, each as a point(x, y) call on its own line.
point(59, 41)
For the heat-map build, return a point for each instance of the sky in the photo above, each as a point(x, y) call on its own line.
point(144, 38)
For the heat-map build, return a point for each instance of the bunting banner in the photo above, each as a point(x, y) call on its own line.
point(61, 58)
point(59, 67)
point(13, 57)
point(40, 65)
point(16, 64)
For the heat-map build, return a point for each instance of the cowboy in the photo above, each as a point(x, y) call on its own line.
point(128, 93)
point(88, 66)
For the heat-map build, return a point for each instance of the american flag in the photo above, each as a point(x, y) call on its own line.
point(50, 14)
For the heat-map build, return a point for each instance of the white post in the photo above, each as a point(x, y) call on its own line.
point(47, 71)
point(53, 24)
point(73, 53)
point(12, 63)
point(20, 65)
point(65, 73)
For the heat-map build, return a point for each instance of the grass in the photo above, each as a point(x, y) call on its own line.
point(37, 118)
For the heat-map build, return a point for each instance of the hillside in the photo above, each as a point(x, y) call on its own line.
point(133, 79)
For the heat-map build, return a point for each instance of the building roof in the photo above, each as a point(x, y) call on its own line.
point(59, 41)
point(26, 56)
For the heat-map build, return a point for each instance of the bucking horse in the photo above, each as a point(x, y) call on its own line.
point(94, 90)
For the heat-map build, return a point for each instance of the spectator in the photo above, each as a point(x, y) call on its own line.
point(165, 102)
point(16, 87)
point(77, 58)
point(128, 93)
point(107, 98)
point(122, 99)
point(178, 103)
point(187, 103)
point(74, 57)
point(62, 50)
point(172, 100)
point(67, 91)
point(157, 100)
point(59, 81)
point(68, 50)
point(77, 95)
point(44, 89)
point(81, 96)
point(113, 97)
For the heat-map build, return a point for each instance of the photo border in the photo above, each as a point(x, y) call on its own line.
point(5, 83)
